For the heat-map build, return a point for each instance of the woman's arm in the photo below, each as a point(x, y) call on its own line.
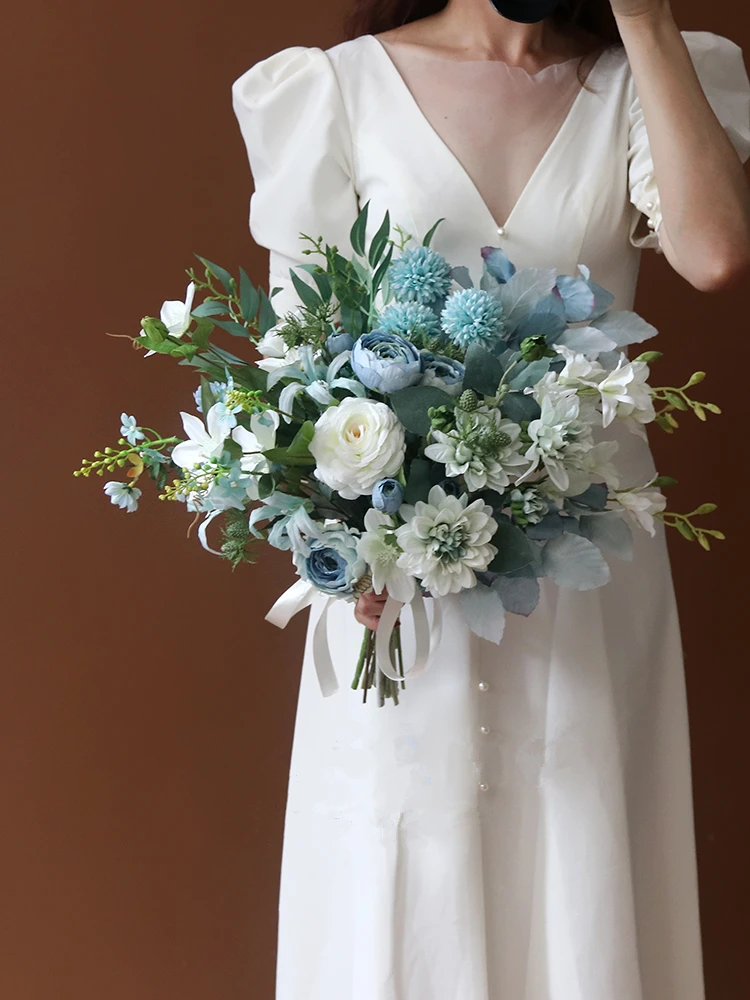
point(704, 193)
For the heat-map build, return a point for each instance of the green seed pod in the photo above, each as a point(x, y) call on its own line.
point(468, 400)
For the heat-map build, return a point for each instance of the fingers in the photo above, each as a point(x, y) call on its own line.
point(369, 608)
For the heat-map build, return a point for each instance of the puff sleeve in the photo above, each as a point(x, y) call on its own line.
point(296, 132)
point(719, 64)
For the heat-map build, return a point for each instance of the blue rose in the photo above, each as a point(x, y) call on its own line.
point(337, 343)
point(386, 362)
point(445, 373)
point(331, 562)
point(387, 495)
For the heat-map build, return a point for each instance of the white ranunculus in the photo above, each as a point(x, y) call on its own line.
point(380, 550)
point(641, 505)
point(446, 540)
point(355, 444)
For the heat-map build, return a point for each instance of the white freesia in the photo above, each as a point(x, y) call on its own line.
point(206, 443)
point(483, 447)
point(123, 495)
point(380, 550)
point(261, 437)
point(641, 505)
point(275, 352)
point(446, 540)
point(175, 314)
point(355, 444)
point(625, 393)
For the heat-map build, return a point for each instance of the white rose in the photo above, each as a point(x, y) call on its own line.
point(355, 444)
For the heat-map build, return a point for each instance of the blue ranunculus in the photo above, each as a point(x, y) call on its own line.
point(445, 373)
point(337, 343)
point(332, 563)
point(386, 362)
point(387, 495)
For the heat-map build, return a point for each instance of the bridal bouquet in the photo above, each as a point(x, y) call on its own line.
point(405, 430)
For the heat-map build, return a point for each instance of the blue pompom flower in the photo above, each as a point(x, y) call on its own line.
point(472, 316)
point(409, 319)
point(420, 275)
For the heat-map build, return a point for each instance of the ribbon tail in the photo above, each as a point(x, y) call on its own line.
point(202, 532)
point(322, 654)
point(386, 624)
point(298, 596)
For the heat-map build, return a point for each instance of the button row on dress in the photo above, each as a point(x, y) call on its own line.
point(484, 730)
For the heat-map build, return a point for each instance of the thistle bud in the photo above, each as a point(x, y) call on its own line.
point(468, 400)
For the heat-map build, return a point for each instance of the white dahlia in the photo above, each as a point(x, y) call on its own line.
point(444, 541)
point(483, 447)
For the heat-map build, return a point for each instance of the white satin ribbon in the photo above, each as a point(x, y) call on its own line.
point(299, 596)
point(302, 594)
point(425, 643)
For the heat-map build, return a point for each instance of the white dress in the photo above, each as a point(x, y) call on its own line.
point(520, 827)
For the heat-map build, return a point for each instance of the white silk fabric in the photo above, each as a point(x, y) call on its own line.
point(520, 827)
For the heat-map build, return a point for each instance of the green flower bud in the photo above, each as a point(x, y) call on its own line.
point(534, 348)
point(154, 328)
point(468, 400)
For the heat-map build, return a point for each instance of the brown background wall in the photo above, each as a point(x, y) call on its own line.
point(147, 708)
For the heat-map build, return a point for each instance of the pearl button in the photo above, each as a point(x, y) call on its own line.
point(650, 223)
point(483, 787)
point(649, 204)
point(484, 686)
point(501, 230)
point(484, 730)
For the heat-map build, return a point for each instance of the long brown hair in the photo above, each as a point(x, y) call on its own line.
point(370, 17)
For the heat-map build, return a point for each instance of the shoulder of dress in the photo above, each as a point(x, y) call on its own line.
point(296, 65)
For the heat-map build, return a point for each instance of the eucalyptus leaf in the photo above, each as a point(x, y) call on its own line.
point(418, 482)
point(483, 371)
point(575, 563)
point(514, 550)
point(577, 297)
point(519, 595)
point(521, 293)
point(462, 276)
point(586, 340)
point(525, 376)
point(498, 264)
point(519, 407)
point(411, 405)
point(624, 327)
point(483, 612)
point(609, 532)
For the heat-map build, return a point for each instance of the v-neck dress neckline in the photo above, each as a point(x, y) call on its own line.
point(400, 88)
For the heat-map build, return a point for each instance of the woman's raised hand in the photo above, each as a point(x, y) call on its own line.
point(369, 608)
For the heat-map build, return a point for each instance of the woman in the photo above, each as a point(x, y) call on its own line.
point(520, 826)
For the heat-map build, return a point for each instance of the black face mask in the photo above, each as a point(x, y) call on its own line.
point(525, 11)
